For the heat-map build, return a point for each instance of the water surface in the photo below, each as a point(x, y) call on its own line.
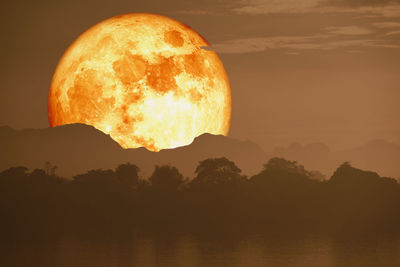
point(215, 250)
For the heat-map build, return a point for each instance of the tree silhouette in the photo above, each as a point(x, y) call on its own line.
point(287, 191)
point(283, 195)
point(350, 176)
point(280, 170)
point(216, 193)
point(128, 174)
point(217, 172)
point(14, 172)
point(166, 178)
point(360, 200)
point(50, 168)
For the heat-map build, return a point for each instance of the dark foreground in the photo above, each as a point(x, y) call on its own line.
point(274, 249)
point(283, 216)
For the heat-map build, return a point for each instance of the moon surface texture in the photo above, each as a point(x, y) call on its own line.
point(145, 80)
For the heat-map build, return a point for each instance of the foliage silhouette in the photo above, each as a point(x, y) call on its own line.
point(217, 172)
point(282, 196)
point(128, 174)
point(166, 178)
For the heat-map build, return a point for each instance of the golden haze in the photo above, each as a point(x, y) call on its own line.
point(144, 80)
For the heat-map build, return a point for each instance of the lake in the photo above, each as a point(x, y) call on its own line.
point(184, 250)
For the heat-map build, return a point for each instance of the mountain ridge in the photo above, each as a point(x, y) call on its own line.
point(76, 148)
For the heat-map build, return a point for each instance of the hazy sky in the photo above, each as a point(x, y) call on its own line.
point(300, 70)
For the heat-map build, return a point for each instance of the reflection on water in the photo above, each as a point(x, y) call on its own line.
point(183, 250)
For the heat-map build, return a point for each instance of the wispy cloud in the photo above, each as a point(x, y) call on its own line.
point(196, 12)
point(373, 21)
point(274, 6)
point(393, 33)
point(360, 2)
point(368, 8)
point(348, 30)
point(249, 45)
point(387, 24)
point(389, 11)
point(296, 44)
point(361, 8)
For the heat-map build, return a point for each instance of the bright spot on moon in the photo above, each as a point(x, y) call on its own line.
point(144, 80)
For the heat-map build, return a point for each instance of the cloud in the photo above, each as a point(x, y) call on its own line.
point(274, 6)
point(362, 8)
point(196, 12)
point(348, 30)
point(387, 24)
point(296, 44)
point(360, 43)
point(362, 34)
point(383, 8)
point(357, 3)
point(392, 33)
point(249, 45)
point(389, 11)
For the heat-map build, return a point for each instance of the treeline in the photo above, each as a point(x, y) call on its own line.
point(283, 196)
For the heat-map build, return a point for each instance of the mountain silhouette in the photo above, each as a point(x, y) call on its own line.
point(76, 148)
point(72, 147)
point(378, 155)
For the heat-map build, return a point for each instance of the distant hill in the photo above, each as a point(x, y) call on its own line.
point(381, 156)
point(77, 148)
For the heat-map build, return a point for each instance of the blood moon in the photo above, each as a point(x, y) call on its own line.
point(145, 80)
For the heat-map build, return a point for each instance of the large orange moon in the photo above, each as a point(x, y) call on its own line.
point(145, 80)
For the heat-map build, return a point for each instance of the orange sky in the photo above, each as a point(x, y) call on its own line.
point(306, 71)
